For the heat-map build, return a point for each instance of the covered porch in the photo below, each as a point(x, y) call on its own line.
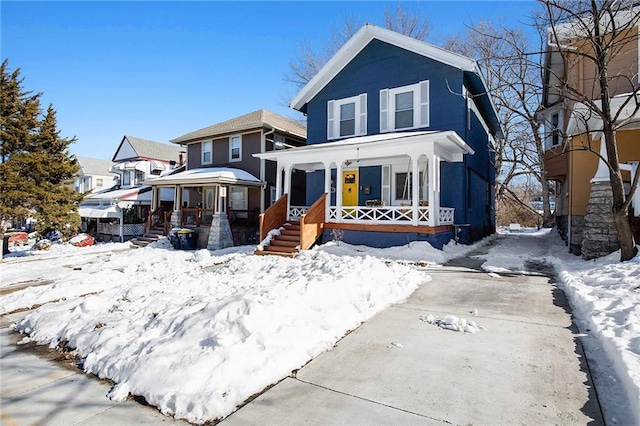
point(209, 199)
point(380, 183)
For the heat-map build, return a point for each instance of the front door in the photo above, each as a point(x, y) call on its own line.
point(350, 188)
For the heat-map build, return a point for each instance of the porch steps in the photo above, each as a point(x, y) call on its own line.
point(286, 244)
point(151, 236)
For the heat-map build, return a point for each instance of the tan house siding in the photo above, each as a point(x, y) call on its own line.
point(628, 145)
point(581, 71)
point(583, 167)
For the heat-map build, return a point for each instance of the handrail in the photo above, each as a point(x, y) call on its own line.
point(149, 223)
point(273, 217)
point(312, 223)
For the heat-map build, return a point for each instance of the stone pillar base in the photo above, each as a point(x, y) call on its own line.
point(600, 236)
point(220, 232)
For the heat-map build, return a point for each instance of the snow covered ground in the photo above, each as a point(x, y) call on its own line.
point(197, 333)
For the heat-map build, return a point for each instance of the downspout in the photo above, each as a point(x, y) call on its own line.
point(263, 148)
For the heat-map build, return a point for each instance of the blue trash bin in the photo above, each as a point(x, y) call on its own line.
point(173, 237)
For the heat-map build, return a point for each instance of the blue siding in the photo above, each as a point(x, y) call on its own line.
point(469, 185)
point(383, 66)
point(389, 239)
point(369, 177)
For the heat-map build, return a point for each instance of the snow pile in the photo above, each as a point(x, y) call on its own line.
point(267, 240)
point(415, 252)
point(605, 297)
point(453, 323)
point(196, 334)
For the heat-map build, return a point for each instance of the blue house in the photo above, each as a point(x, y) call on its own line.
point(400, 138)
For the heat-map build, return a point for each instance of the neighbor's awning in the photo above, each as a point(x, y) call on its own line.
point(99, 212)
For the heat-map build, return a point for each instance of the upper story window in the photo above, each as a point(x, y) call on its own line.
point(405, 107)
point(126, 178)
point(207, 152)
point(553, 129)
point(99, 182)
point(235, 148)
point(278, 142)
point(347, 117)
point(139, 177)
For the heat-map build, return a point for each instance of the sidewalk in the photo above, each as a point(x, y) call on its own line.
point(36, 390)
point(527, 367)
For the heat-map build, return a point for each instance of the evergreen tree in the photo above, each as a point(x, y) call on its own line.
point(36, 168)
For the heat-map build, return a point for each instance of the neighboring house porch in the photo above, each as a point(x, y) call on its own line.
point(378, 188)
point(205, 199)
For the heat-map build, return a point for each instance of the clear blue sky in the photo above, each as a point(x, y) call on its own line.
point(158, 70)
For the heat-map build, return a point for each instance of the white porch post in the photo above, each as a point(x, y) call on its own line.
point(287, 186)
point(415, 182)
point(121, 225)
point(327, 188)
point(339, 180)
point(279, 181)
point(177, 196)
point(434, 187)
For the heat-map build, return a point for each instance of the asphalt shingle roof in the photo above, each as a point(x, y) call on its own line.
point(253, 120)
point(155, 150)
point(94, 166)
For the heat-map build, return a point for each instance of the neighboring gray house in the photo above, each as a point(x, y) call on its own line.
point(223, 176)
point(94, 174)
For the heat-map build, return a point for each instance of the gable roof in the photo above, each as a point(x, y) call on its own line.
point(369, 32)
point(253, 120)
point(359, 41)
point(131, 147)
point(94, 166)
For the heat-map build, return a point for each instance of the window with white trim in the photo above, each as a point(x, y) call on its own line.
point(139, 177)
point(405, 107)
point(347, 117)
point(126, 178)
point(553, 129)
point(238, 199)
point(99, 182)
point(235, 148)
point(207, 152)
point(404, 186)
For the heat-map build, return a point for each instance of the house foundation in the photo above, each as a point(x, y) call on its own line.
point(600, 236)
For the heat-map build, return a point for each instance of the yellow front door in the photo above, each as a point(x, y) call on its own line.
point(350, 188)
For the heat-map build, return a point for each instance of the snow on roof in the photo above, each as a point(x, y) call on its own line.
point(224, 175)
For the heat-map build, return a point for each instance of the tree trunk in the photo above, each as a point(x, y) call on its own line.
point(628, 248)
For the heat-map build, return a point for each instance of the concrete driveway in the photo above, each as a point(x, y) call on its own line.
point(526, 367)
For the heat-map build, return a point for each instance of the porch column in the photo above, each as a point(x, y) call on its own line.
point(278, 181)
point(287, 186)
point(327, 188)
point(177, 196)
point(339, 182)
point(415, 182)
point(434, 189)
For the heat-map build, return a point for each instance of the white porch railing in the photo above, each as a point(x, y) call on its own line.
point(387, 215)
point(446, 215)
point(296, 211)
